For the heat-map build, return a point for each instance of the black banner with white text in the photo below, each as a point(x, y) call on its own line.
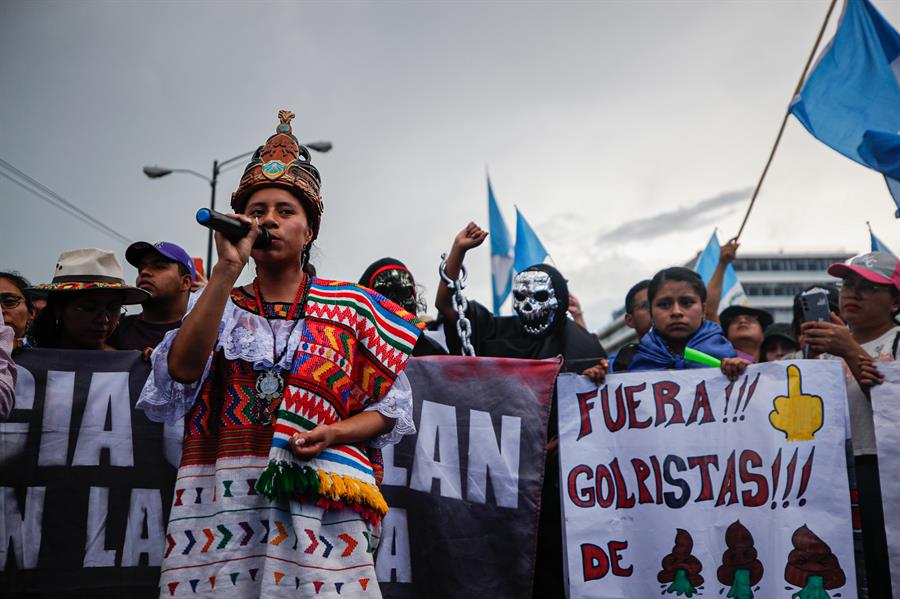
point(464, 491)
point(86, 480)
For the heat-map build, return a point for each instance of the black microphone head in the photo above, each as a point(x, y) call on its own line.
point(264, 240)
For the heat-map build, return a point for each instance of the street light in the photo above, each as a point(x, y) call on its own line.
point(319, 146)
point(155, 172)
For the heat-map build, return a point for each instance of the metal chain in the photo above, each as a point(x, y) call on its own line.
point(461, 304)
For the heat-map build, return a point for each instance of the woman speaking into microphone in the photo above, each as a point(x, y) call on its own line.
point(287, 387)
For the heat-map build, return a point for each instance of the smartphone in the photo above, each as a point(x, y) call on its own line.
point(198, 266)
point(814, 305)
point(815, 308)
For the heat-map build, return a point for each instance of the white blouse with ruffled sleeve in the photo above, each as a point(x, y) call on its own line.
point(249, 337)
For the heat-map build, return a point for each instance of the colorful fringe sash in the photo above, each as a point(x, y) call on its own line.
point(354, 344)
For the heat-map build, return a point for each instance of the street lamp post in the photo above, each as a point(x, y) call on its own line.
point(155, 172)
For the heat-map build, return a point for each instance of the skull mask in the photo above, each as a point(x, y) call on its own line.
point(397, 285)
point(535, 301)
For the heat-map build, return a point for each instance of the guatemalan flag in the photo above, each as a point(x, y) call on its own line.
point(878, 245)
point(501, 252)
point(732, 290)
point(529, 249)
point(851, 99)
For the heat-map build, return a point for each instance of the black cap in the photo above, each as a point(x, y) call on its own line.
point(780, 330)
point(732, 312)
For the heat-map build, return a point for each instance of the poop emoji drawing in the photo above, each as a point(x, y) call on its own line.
point(740, 569)
point(812, 566)
point(798, 415)
point(680, 568)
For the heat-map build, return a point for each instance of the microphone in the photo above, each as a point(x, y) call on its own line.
point(232, 228)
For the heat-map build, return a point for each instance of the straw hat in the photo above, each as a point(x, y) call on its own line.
point(91, 269)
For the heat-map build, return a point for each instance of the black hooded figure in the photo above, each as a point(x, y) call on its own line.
point(512, 337)
point(391, 278)
point(540, 329)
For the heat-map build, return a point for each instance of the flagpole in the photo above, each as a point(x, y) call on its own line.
point(784, 121)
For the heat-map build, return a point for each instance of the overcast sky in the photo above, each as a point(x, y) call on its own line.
point(624, 131)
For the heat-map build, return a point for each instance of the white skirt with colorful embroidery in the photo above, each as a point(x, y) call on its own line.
point(226, 540)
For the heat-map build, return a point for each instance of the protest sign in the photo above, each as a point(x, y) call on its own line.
point(464, 491)
point(85, 486)
point(683, 483)
point(886, 410)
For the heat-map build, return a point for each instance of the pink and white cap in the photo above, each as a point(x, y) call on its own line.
point(877, 267)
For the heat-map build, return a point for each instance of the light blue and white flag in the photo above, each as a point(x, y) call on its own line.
point(878, 245)
point(851, 98)
point(732, 290)
point(529, 249)
point(501, 252)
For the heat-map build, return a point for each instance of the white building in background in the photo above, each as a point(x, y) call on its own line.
point(770, 282)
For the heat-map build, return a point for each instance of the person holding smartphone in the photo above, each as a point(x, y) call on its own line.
point(869, 301)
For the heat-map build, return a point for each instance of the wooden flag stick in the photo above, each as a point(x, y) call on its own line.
point(784, 121)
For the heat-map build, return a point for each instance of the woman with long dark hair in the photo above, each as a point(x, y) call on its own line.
point(288, 386)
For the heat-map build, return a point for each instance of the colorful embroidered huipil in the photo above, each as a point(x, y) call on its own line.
point(317, 534)
point(353, 347)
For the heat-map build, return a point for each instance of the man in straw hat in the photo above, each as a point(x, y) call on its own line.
point(288, 386)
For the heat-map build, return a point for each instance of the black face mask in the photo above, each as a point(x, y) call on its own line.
point(398, 286)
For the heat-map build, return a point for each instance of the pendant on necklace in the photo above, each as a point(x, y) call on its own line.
point(269, 384)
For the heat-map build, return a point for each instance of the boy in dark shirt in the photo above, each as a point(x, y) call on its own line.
point(637, 317)
point(166, 272)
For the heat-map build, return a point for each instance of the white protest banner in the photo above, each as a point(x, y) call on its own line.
point(683, 484)
point(886, 409)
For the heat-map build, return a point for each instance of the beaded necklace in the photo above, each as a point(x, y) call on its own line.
point(269, 382)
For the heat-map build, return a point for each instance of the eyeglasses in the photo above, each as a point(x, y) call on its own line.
point(111, 312)
point(10, 301)
point(862, 288)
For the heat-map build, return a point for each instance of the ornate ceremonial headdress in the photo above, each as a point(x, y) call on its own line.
point(283, 162)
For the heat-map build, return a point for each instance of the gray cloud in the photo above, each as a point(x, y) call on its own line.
point(415, 116)
point(680, 218)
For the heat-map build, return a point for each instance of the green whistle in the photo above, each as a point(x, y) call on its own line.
point(698, 356)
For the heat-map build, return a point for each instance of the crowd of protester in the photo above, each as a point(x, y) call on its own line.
point(81, 308)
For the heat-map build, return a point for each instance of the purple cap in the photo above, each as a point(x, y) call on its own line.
point(168, 250)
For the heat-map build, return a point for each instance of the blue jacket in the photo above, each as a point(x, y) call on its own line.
point(654, 354)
